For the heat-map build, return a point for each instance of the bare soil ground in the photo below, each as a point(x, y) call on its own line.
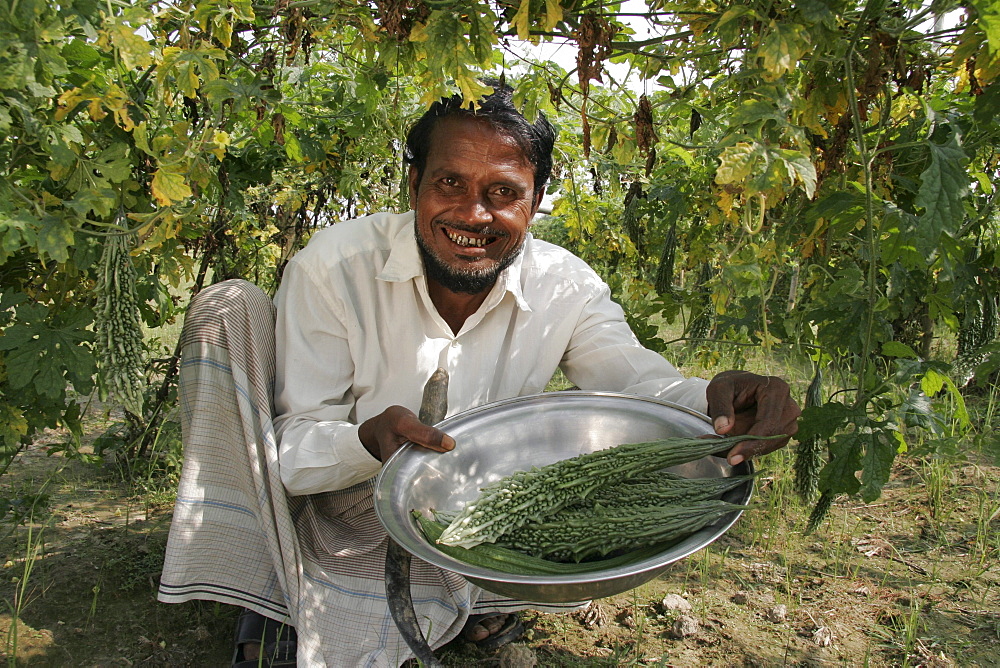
point(913, 579)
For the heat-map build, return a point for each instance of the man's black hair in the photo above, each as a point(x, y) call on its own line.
point(535, 139)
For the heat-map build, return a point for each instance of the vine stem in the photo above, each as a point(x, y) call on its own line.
point(870, 237)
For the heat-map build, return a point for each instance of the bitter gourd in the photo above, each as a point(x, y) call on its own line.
point(530, 496)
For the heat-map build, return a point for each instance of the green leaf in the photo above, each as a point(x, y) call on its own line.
point(990, 364)
point(880, 449)
point(113, 162)
point(824, 421)
point(755, 111)
point(840, 473)
point(897, 349)
point(917, 411)
point(844, 210)
point(960, 411)
point(932, 382)
point(800, 168)
point(101, 202)
point(292, 147)
point(989, 21)
point(81, 54)
point(942, 186)
point(54, 238)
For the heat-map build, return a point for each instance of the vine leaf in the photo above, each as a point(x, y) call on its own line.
point(942, 186)
point(168, 187)
point(800, 168)
point(44, 353)
point(13, 424)
point(735, 163)
point(934, 381)
point(522, 20)
point(839, 474)
point(857, 443)
point(897, 349)
point(989, 21)
point(54, 238)
point(880, 444)
point(134, 51)
point(781, 48)
point(917, 411)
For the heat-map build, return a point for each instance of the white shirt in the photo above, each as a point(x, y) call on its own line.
point(357, 332)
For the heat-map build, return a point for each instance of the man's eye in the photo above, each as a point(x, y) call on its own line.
point(449, 181)
point(504, 191)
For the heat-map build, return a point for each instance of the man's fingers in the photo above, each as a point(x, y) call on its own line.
point(434, 439)
point(410, 428)
point(754, 448)
point(385, 433)
point(787, 425)
point(775, 407)
point(720, 394)
point(740, 402)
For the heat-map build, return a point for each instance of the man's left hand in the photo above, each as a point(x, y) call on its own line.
point(740, 402)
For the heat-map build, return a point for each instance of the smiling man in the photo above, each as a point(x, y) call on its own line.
point(366, 313)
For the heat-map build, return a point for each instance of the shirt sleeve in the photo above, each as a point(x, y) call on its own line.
point(319, 448)
point(604, 354)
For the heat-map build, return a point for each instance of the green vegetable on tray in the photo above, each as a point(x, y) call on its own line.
point(531, 496)
point(506, 560)
point(594, 511)
point(581, 534)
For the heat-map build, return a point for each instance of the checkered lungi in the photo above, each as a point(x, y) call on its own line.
point(316, 562)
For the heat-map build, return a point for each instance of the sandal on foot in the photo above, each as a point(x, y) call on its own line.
point(277, 641)
point(511, 631)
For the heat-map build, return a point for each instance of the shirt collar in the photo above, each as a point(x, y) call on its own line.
point(404, 264)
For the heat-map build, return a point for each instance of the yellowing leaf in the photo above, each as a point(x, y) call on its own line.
point(169, 187)
point(782, 47)
point(141, 138)
point(522, 20)
point(68, 101)
point(553, 14)
point(735, 163)
point(223, 31)
point(682, 153)
point(726, 203)
point(13, 425)
point(134, 51)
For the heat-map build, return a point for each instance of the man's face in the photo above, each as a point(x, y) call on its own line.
point(473, 204)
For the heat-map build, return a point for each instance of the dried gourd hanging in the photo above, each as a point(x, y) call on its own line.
point(593, 39)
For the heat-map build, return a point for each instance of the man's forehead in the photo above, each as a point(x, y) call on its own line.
point(487, 137)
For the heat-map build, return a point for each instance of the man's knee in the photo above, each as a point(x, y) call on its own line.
point(231, 303)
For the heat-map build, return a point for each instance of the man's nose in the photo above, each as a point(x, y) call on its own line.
point(474, 210)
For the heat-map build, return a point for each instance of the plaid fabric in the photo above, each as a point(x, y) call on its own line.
point(316, 562)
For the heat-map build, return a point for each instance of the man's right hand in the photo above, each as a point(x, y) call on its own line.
point(383, 434)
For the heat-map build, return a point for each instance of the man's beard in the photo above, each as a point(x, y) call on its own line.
point(470, 281)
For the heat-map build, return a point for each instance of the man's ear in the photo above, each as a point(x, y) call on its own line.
point(414, 182)
point(536, 201)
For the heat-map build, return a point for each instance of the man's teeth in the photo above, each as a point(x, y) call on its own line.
point(462, 240)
